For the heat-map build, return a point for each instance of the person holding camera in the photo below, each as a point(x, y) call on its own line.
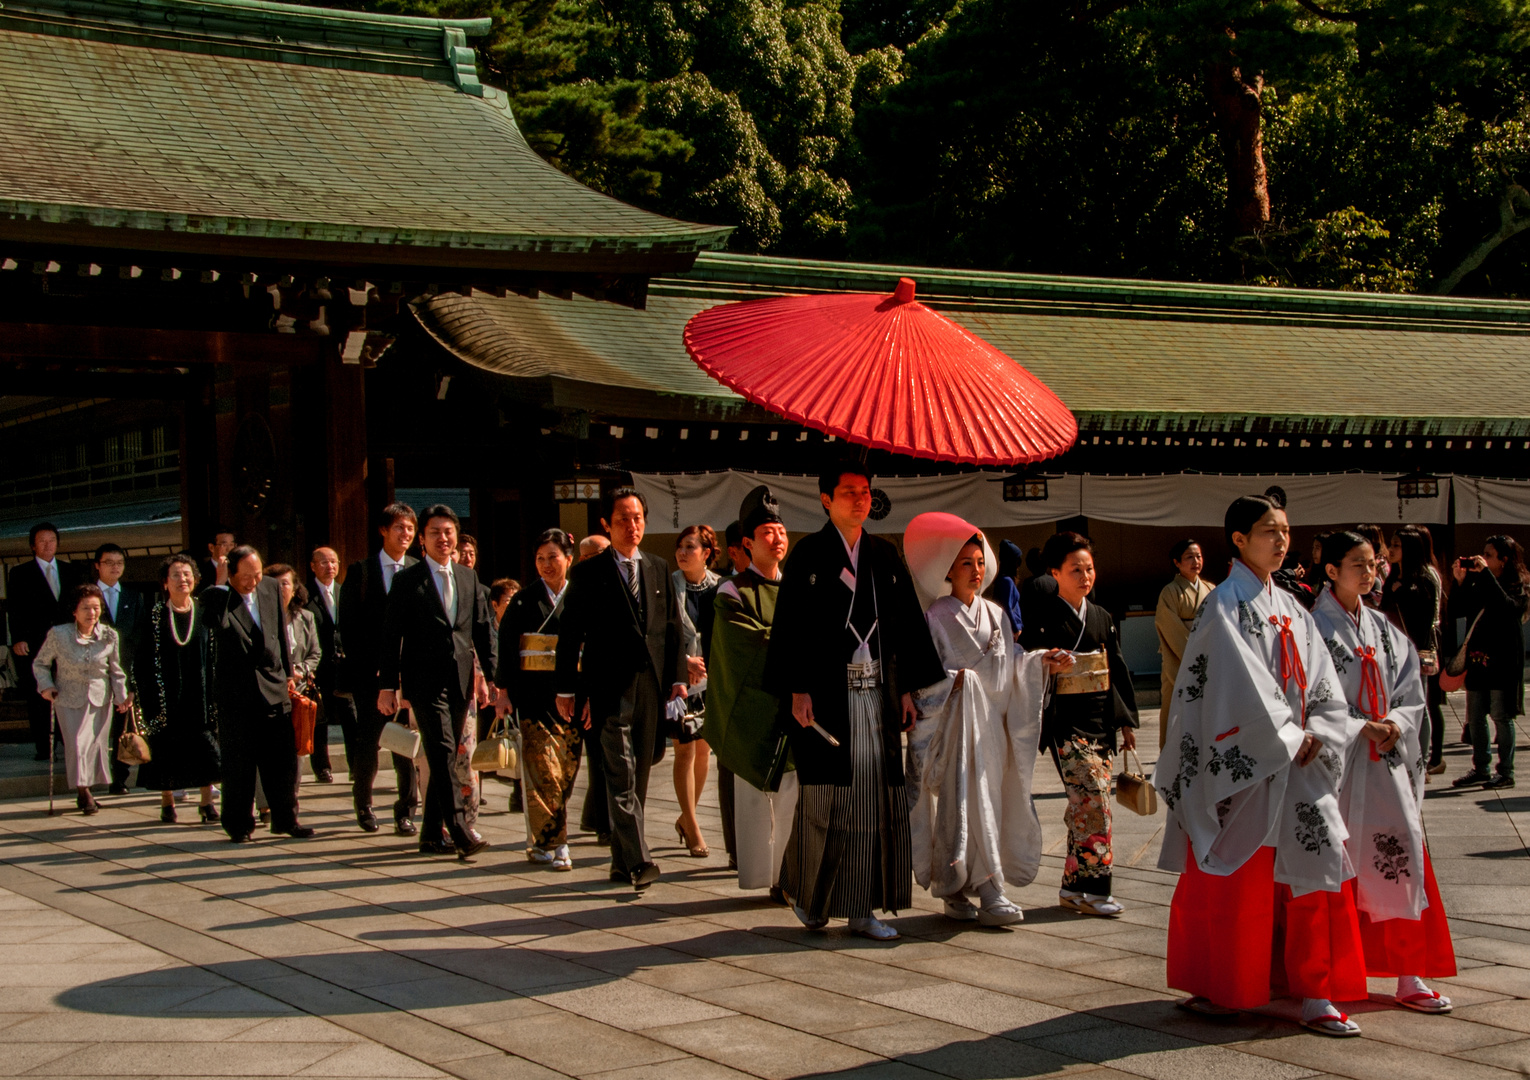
point(1492, 594)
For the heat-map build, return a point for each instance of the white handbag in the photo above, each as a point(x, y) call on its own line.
point(400, 739)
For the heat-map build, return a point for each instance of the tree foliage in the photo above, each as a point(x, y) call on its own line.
point(1355, 144)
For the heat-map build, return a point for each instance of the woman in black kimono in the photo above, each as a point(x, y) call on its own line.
point(172, 669)
point(549, 745)
point(1084, 719)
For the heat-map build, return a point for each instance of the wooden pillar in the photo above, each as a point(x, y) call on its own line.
point(345, 426)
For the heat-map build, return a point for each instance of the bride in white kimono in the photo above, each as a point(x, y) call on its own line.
point(1402, 919)
point(973, 750)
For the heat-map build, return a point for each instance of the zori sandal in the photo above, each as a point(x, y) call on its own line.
point(1336, 1024)
point(1427, 1001)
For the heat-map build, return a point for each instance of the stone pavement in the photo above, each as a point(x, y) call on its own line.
point(131, 948)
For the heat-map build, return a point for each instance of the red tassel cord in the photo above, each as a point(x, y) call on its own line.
point(1291, 662)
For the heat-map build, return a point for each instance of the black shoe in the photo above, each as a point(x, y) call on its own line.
point(366, 819)
point(466, 854)
point(297, 832)
point(209, 814)
point(324, 776)
point(87, 805)
point(167, 814)
point(622, 876)
point(517, 806)
point(239, 838)
point(645, 875)
point(437, 847)
point(403, 826)
point(117, 789)
point(1472, 779)
point(265, 817)
point(1500, 781)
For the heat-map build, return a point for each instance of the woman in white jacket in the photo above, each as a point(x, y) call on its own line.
point(79, 670)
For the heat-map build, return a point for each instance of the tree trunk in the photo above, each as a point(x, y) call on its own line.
point(1510, 225)
point(1235, 103)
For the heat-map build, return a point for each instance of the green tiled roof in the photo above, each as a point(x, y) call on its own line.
point(1122, 354)
point(238, 125)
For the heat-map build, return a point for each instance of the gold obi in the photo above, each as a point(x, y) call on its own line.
point(539, 652)
point(1090, 674)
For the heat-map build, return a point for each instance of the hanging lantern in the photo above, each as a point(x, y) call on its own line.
point(1418, 485)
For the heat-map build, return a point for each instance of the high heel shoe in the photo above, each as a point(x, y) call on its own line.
point(700, 852)
point(167, 814)
point(209, 814)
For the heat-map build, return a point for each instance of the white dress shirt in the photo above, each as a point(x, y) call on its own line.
point(446, 587)
point(389, 568)
point(328, 592)
point(50, 574)
point(112, 594)
point(252, 608)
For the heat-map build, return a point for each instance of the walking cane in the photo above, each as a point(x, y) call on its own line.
point(52, 720)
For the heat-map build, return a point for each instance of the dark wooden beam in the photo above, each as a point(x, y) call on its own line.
point(126, 347)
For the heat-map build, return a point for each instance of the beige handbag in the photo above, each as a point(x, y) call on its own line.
point(132, 748)
point(1134, 790)
point(497, 752)
point(398, 738)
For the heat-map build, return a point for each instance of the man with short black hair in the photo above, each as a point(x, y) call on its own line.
point(848, 648)
point(214, 565)
point(623, 613)
point(363, 600)
point(437, 623)
point(335, 704)
point(253, 683)
point(37, 599)
point(126, 612)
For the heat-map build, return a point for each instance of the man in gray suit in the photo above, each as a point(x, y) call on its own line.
point(622, 611)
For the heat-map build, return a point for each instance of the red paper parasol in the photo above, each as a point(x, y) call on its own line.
point(885, 372)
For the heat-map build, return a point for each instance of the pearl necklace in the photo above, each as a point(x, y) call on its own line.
point(191, 625)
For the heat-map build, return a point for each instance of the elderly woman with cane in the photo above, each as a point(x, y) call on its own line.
point(79, 672)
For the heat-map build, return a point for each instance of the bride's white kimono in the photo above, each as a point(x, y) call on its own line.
point(972, 754)
point(1226, 773)
point(1381, 794)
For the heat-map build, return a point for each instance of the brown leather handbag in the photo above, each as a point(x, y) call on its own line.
point(1134, 790)
point(132, 748)
point(305, 714)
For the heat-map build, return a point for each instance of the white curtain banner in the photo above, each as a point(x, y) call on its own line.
point(1178, 500)
point(1504, 502)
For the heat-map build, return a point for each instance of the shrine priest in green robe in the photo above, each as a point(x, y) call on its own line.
point(742, 720)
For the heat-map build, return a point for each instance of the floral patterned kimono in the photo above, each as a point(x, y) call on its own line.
point(1402, 919)
point(1265, 898)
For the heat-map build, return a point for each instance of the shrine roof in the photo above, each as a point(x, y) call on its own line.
point(269, 129)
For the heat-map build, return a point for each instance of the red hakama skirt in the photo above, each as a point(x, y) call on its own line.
point(1241, 939)
point(1422, 946)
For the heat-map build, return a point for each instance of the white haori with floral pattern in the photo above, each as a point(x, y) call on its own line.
point(972, 755)
point(1381, 800)
point(1227, 772)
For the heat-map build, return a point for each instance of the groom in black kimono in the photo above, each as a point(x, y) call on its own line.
point(849, 648)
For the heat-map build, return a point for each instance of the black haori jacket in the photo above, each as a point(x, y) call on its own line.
point(810, 646)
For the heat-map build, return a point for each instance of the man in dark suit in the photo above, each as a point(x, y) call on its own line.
point(848, 648)
point(335, 704)
point(436, 623)
point(214, 565)
point(363, 599)
point(36, 595)
point(126, 612)
point(252, 684)
point(622, 611)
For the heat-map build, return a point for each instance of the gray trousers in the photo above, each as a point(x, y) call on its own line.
point(1482, 705)
point(629, 724)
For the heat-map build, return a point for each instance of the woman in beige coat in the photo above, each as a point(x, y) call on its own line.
point(79, 670)
point(1177, 605)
